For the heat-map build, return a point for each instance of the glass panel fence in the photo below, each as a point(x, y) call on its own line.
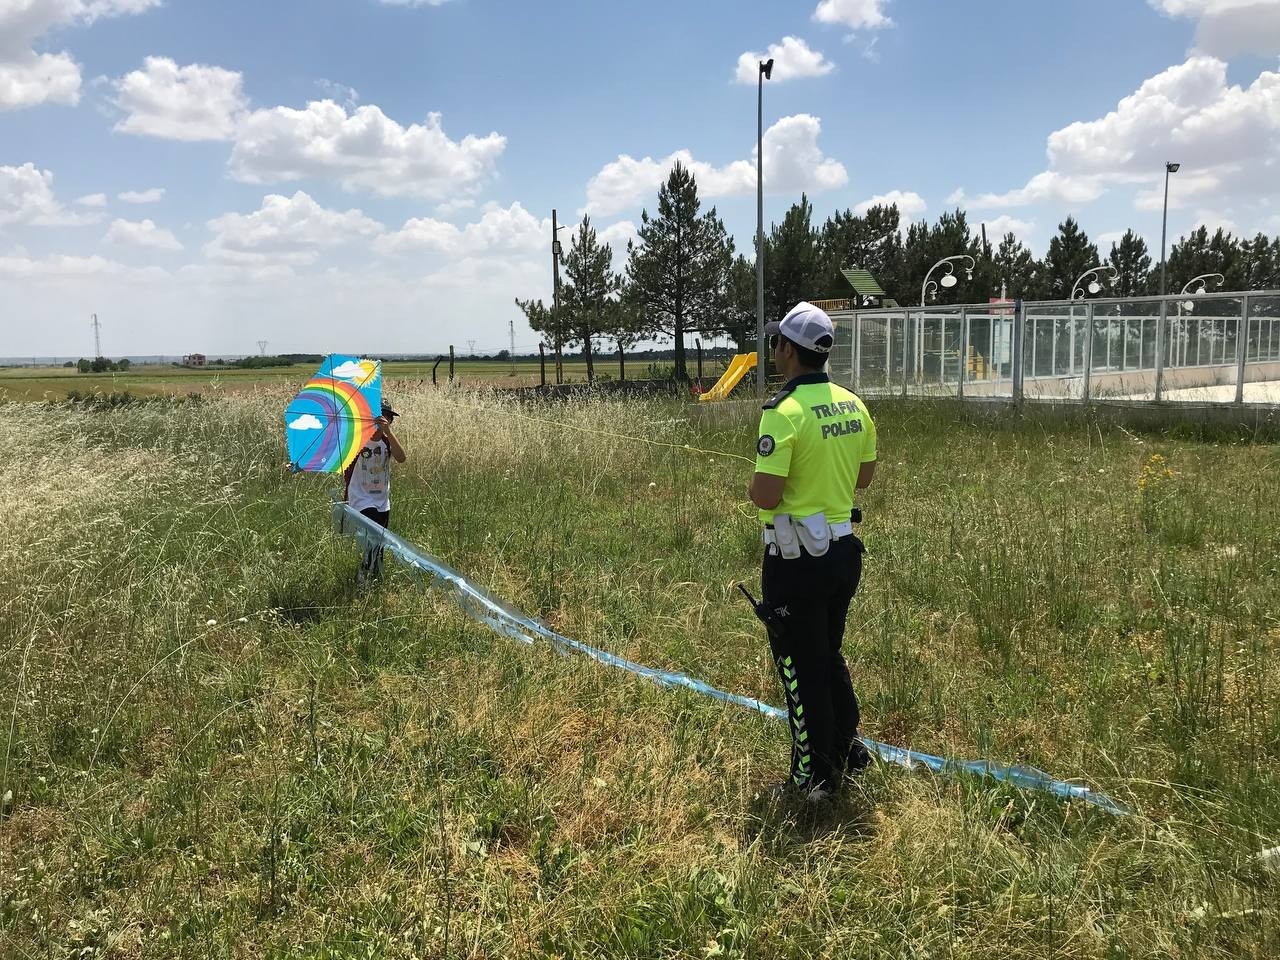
point(1122, 364)
point(988, 352)
point(1200, 349)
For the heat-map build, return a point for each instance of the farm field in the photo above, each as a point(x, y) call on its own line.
point(216, 746)
point(55, 383)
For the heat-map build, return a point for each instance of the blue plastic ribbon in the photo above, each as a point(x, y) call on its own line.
point(479, 605)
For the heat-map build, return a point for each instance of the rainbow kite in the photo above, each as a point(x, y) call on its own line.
point(332, 418)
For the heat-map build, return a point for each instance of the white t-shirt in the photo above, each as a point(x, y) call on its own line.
point(370, 484)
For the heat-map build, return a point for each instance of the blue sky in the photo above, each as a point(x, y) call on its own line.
point(366, 175)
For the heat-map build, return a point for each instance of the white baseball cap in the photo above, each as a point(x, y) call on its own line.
point(806, 326)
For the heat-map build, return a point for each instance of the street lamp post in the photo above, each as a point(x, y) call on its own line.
point(1169, 168)
point(930, 288)
point(947, 280)
point(1079, 291)
point(766, 73)
point(1189, 306)
point(1203, 280)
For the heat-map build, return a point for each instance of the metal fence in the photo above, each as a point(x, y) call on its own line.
point(1189, 348)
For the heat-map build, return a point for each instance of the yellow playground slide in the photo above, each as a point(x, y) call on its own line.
point(739, 367)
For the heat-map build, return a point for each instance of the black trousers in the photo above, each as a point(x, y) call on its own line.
point(371, 563)
point(810, 598)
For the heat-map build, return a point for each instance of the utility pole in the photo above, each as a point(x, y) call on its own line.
point(97, 336)
point(262, 348)
point(511, 329)
point(555, 295)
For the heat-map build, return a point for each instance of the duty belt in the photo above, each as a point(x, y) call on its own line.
point(838, 532)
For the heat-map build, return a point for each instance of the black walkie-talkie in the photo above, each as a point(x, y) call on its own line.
point(763, 613)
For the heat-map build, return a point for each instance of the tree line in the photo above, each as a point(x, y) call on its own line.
point(682, 275)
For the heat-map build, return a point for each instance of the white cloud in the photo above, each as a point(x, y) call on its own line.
point(1181, 191)
point(1212, 220)
point(362, 150)
point(154, 195)
point(997, 227)
point(26, 197)
point(793, 162)
point(92, 200)
point(792, 59)
point(1226, 28)
point(1225, 136)
point(348, 96)
point(1047, 187)
point(33, 79)
point(910, 205)
point(289, 231)
point(225, 307)
point(27, 78)
point(190, 103)
point(450, 207)
point(141, 234)
point(617, 235)
point(856, 14)
point(511, 230)
point(61, 268)
point(308, 421)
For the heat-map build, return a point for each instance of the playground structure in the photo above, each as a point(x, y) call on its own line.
point(739, 367)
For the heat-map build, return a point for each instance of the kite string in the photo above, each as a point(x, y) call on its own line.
point(617, 436)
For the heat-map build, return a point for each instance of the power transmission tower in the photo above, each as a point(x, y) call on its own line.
point(262, 348)
point(472, 345)
point(97, 336)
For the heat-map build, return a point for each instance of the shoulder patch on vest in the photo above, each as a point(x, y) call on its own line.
point(765, 445)
point(778, 397)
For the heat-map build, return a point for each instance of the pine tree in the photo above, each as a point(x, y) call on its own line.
point(1260, 263)
point(924, 247)
point(740, 316)
point(870, 241)
point(1016, 269)
point(542, 319)
point(1070, 255)
point(591, 285)
point(1188, 257)
point(1228, 258)
point(1199, 254)
point(1133, 266)
point(791, 262)
point(625, 324)
point(678, 270)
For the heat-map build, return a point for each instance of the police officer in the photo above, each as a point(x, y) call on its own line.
point(816, 445)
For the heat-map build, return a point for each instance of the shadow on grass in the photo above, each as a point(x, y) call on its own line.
point(307, 601)
point(780, 823)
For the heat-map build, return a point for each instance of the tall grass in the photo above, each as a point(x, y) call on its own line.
point(215, 746)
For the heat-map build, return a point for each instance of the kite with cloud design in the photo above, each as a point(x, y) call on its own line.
point(332, 418)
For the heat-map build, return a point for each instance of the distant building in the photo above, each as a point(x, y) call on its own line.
point(195, 360)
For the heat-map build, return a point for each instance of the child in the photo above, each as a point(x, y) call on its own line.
point(368, 485)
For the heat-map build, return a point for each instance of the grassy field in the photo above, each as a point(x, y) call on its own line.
point(54, 383)
point(215, 746)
